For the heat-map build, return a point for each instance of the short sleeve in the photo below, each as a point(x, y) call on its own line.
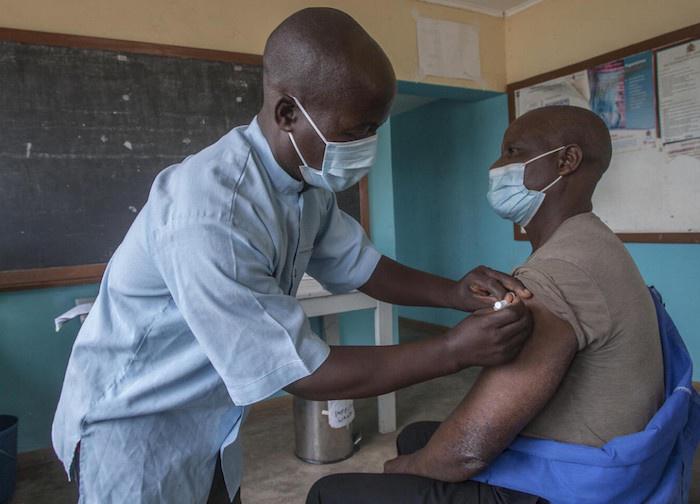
point(257, 338)
point(343, 258)
point(570, 294)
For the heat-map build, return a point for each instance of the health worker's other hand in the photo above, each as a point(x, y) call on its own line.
point(482, 287)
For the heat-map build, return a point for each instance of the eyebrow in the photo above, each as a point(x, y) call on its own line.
point(362, 127)
point(366, 125)
point(517, 143)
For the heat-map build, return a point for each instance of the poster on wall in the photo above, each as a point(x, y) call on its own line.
point(621, 92)
point(567, 90)
point(678, 77)
point(448, 49)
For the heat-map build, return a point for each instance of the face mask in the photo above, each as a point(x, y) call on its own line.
point(509, 197)
point(344, 163)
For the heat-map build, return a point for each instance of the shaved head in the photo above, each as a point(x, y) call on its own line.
point(555, 126)
point(323, 54)
point(324, 59)
point(566, 150)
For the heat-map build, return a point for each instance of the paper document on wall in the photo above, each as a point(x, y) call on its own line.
point(622, 94)
point(679, 93)
point(571, 90)
point(340, 413)
point(448, 49)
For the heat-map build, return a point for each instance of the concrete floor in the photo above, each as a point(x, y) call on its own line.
point(273, 474)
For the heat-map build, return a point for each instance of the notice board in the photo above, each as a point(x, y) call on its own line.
point(648, 94)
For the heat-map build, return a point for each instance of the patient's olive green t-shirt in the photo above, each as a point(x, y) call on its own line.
point(584, 275)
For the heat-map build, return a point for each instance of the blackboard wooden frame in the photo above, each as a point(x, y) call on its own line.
point(92, 273)
point(653, 44)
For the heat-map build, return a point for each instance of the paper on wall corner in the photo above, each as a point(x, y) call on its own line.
point(448, 49)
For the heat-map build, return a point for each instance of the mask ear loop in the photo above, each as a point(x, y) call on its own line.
point(547, 154)
point(311, 121)
point(296, 148)
point(550, 185)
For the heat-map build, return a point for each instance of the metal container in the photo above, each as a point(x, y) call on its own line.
point(8, 457)
point(316, 442)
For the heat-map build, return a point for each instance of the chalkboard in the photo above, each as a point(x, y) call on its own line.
point(86, 125)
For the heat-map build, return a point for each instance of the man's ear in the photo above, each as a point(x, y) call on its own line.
point(570, 159)
point(286, 113)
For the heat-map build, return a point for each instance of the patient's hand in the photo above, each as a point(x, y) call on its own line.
point(419, 464)
point(403, 464)
point(482, 287)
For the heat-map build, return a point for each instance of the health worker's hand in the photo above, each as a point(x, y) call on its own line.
point(489, 337)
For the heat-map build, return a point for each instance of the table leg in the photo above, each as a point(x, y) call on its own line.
point(384, 335)
point(331, 328)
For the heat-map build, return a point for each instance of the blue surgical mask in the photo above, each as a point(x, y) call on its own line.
point(344, 163)
point(509, 197)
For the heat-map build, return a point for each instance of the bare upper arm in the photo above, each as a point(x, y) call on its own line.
point(506, 398)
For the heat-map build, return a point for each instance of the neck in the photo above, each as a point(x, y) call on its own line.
point(274, 137)
point(548, 219)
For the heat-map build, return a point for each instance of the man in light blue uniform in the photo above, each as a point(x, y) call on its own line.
point(196, 316)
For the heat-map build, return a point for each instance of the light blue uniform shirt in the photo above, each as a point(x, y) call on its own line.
point(196, 318)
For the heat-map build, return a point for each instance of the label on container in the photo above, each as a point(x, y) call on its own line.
point(340, 413)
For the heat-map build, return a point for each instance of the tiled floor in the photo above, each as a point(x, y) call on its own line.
point(272, 473)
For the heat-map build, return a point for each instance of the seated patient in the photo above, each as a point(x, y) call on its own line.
point(592, 369)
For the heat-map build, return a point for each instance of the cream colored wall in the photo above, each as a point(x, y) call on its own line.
point(546, 36)
point(556, 33)
point(243, 26)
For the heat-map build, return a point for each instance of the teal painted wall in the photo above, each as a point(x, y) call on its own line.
point(357, 328)
point(444, 224)
point(442, 152)
point(33, 357)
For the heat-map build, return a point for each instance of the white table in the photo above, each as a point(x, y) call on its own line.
point(318, 302)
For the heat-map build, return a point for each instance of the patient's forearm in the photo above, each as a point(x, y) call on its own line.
point(450, 465)
point(454, 455)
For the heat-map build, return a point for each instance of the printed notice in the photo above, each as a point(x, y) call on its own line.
point(622, 94)
point(678, 74)
point(568, 90)
point(448, 49)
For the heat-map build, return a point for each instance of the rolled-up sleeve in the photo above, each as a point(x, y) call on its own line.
point(343, 258)
point(257, 338)
point(571, 295)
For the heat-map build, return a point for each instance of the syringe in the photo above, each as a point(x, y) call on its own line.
point(499, 305)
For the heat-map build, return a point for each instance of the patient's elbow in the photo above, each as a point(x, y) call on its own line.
point(466, 467)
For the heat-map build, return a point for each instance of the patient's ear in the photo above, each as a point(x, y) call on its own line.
point(570, 159)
